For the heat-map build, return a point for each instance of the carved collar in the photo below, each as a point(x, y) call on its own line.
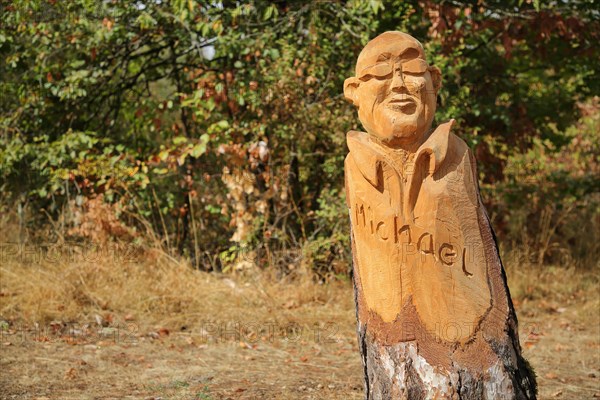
point(370, 156)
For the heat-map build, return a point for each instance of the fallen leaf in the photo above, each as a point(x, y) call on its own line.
point(70, 374)
point(108, 318)
point(163, 332)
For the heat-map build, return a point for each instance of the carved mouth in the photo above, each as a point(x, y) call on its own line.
point(402, 103)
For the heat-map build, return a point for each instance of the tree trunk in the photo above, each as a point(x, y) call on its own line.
point(435, 317)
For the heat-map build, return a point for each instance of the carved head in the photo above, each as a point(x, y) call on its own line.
point(394, 89)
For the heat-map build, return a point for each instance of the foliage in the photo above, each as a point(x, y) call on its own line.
point(554, 195)
point(220, 126)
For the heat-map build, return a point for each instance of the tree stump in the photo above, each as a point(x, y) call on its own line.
point(435, 317)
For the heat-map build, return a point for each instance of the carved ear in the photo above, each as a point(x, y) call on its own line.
point(436, 77)
point(350, 86)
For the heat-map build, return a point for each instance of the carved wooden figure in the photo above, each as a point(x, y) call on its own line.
point(435, 318)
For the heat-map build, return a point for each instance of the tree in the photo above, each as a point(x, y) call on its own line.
point(125, 100)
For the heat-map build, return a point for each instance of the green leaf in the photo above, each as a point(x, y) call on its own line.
point(179, 140)
point(77, 63)
point(198, 150)
point(163, 155)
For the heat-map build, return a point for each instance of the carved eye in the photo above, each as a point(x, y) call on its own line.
point(378, 71)
point(416, 66)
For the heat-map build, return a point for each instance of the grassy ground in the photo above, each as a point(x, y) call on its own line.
point(128, 325)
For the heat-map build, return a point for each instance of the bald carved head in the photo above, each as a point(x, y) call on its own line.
point(394, 89)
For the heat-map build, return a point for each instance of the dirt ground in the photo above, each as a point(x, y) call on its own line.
point(235, 338)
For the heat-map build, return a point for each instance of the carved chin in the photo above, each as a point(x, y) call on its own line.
point(399, 122)
point(392, 125)
point(391, 132)
point(403, 129)
point(407, 126)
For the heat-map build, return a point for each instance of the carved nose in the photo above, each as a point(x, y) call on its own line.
point(398, 81)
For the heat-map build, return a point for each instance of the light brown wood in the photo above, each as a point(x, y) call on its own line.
point(435, 319)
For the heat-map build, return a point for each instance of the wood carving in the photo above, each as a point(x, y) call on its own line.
point(435, 318)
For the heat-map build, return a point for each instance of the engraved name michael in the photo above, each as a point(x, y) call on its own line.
point(412, 239)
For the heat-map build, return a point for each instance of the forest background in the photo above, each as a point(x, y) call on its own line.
point(216, 131)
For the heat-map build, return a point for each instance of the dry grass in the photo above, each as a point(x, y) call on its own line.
point(186, 333)
point(559, 316)
point(154, 327)
point(158, 289)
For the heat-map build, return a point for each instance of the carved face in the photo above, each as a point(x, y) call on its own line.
point(394, 89)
